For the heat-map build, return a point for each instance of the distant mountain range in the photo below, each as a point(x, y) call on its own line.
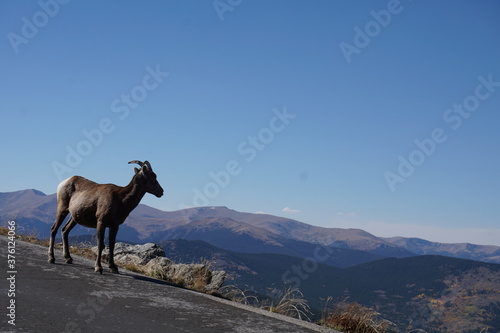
point(417, 284)
point(242, 232)
point(429, 292)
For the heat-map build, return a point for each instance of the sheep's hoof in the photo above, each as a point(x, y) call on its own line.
point(114, 270)
point(51, 260)
point(98, 270)
point(69, 260)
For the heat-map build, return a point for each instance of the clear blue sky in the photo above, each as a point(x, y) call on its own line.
point(305, 109)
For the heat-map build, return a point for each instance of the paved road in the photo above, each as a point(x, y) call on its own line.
point(72, 298)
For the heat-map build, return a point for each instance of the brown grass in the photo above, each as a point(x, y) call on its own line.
point(83, 251)
point(200, 279)
point(4, 231)
point(32, 237)
point(353, 318)
point(238, 295)
point(290, 303)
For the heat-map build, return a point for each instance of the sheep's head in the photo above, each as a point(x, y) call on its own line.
point(148, 177)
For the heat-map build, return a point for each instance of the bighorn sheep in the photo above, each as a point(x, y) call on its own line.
point(100, 206)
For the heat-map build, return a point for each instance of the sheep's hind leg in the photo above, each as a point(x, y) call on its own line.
point(65, 232)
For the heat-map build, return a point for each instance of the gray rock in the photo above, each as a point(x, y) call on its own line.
point(217, 281)
point(150, 259)
point(139, 255)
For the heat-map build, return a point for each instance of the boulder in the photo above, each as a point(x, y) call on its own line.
point(217, 281)
point(192, 276)
point(140, 254)
point(150, 259)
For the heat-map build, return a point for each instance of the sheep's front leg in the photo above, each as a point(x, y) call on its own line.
point(112, 239)
point(61, 215)
point(100, 246)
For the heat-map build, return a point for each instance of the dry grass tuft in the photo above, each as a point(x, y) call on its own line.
point(238, 295)
point(157, 274)
point(353, 318)
point(31, 237)
point(4, 231)
point(290, 303)
point(200, 279)
point(83, 251)
point(135, 268)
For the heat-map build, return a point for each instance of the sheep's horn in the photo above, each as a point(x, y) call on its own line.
point(148, 165)
point(137, 162)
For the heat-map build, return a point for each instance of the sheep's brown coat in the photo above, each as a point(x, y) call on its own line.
point(100, 206)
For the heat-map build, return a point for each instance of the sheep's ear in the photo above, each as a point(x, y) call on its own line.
point(136, 170)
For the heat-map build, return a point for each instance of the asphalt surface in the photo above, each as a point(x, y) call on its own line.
point(72, 298)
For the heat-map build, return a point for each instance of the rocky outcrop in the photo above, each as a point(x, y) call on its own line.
point(139, 255)
point(150, 259)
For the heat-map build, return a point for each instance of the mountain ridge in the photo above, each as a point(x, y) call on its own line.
point(419, 246)
point(36, 211)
